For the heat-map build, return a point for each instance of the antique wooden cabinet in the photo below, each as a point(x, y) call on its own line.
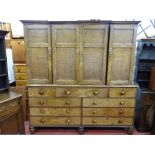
point(80, 73)
point(11, 111)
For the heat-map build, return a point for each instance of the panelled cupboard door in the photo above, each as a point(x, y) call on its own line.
point(121, 53)
point(38, 53)
point(65, 45)
point(93, 53)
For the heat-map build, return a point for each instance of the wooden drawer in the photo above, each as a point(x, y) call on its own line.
point(55, 111)
point(116, 102)
point(21, 82)
point(107, 121)
point(108, 112)
point(20, 68)
point(42, 91)
point(55, 121)
point(55, 102)
point(122, 92)
point(82, 92)
point(8, 108)
point(21, 76)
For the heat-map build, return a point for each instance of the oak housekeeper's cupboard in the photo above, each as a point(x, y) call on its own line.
point(80, 73)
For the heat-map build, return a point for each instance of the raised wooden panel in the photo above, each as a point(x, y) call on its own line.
point(93, 52)
point(65, 42)
point(121, 54)
point(38, 53)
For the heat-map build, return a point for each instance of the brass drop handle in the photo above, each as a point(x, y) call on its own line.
point(120, 121)
point(41, 102)
point(94, 103)
point(42, 111)
point(68, 121)
point(68, 92)
point(123, 92)
point(95, 92)
point(122, 103)
point(41, 92)
point(42, 120)
point(120, 112)
point(94, 121)
point(67, 102)
point(94, 111)
point(68, 111)
point(2, 109)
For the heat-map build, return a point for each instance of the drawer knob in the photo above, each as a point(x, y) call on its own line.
point(41, 92)
point(67, 102)
point(95, 92)
point(42, 120)
point(94, 121)
point(41, 102)
point(68, 111)
point(42, 111)
point(94, 103)
point(68, 92)
point(94, 111)
point(68, 121)
point(123, 92)
point(120, 112)
point(122, 103)
point(120, 121)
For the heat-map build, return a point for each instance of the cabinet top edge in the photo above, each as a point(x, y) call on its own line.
point(78, 21)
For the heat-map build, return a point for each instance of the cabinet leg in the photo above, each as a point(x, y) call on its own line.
point(130, 130)
point(32, 130)
point(81, 130)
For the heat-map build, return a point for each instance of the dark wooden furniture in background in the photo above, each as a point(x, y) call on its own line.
point(80, 73)
point(146, 98)
point(11, 111)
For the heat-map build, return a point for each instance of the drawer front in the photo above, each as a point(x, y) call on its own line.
point(55, 111)
point(21, 76)
point(55, 121)
point(122, 92)
point(82, 92)
point(21, 83)
point(108, 121)
point(20, 69)
point(100, 102)
point(108, 112)
point(55, 102)
point(8, 108)
point(44, 92)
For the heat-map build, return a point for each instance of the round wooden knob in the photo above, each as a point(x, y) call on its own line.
point(122, 103)
point(41, 102)
point(120, 121)
point(41, 92)
point(120, 112)
point(95, 92)
point(42, 120)
point(42, 111)
point(67, 102)
point(68, 92)
point(94, 121)
point(94, 112)
point(68, 121)
point(94, 103)
point(68, 111)
point(123, 92)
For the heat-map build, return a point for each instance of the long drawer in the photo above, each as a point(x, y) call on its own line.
point(81, 92)
point(108, 111)
point(55, 121)
point(107, 121)
point(105, 102)
point(55, 111)
point(55, 102)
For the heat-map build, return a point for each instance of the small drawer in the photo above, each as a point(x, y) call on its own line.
point(108, 111)
point(113, 102)
point(8, 108)
point(108, 121)
point(41, 91)
point(21, 76)
point(55, 102)
point(20, 68)
point(21, 82)
point(82, 92)
point(55, 111)
point(122, 92)
point(55, 121)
